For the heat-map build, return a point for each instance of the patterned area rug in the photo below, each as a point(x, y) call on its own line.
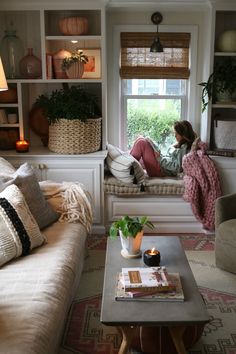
point(86, 335)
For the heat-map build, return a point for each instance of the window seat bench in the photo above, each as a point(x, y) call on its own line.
point(159, 198)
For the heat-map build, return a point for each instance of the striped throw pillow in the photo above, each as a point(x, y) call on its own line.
point(19, 232)
point(124, 166)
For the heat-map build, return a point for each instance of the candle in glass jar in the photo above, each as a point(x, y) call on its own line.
point(22, 146)
point(152, 257)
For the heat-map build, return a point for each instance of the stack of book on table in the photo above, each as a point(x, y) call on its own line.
point(148, 284)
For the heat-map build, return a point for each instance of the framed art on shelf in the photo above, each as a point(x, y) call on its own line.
point(92, 69)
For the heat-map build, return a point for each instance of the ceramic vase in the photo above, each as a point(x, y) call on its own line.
point(57, 63)
point(75, 71)
point(30, 66)
point(131, 246)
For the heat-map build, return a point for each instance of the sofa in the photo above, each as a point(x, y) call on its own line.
point(225, 232)
point(39, 275)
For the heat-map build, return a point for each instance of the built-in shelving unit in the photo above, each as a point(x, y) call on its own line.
point(223, 113)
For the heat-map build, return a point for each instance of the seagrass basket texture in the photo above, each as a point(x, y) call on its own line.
point(74, 136)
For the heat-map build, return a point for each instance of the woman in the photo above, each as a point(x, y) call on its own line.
point(158, 165)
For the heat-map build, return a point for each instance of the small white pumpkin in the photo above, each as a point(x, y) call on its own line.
point(227, 41)
point(73, 25)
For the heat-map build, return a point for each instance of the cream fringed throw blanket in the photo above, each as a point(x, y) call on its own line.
point(71, 200)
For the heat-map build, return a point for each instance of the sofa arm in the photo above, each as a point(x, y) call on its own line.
point(225, 208)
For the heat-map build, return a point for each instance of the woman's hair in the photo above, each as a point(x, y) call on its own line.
point(185, 129)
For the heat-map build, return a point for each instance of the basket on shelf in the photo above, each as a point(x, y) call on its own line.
point(75, 136)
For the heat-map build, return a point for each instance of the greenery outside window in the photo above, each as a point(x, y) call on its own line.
point(150, 107)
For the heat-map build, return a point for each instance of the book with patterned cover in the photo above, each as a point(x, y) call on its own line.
point(151, 295)
point(146, 279)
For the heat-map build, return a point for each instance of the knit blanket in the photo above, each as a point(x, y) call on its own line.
point(71, 200)
point(202, 185)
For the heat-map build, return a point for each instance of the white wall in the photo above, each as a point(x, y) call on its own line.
point(200, 18)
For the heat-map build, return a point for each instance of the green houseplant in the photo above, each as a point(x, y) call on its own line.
point(130, 230)
point(74, 120)
point(222, 81)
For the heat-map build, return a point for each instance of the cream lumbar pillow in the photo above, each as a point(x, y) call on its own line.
point(19, 232)
point(124, 166)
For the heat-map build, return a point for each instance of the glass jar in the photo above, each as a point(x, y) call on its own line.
point(30, 66)
point(11, 50)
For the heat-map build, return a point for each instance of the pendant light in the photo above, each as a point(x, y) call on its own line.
point(156, 46)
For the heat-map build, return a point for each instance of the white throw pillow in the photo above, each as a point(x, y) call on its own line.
point(19, 232)
point(124, 166)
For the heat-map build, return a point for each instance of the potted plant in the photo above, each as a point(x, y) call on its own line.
point(74, 64)
point(74, 120)
point(221, 84)
point(130, 230)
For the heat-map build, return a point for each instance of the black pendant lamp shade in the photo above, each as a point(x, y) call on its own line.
point(156, 46)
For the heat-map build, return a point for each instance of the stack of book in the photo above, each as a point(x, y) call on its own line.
point(148, 284)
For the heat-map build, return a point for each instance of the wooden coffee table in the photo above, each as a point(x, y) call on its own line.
point(127, 315)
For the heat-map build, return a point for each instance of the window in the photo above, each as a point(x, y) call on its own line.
point(150, 108)
point(153, 86)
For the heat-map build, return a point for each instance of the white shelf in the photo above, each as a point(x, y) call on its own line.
point(224, 105)
point(70, 38)
point(225, 54)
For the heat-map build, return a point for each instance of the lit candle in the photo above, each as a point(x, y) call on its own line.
point(152, 257)
point(22, 146)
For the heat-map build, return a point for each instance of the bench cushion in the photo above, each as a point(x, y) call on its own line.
point(154, 185)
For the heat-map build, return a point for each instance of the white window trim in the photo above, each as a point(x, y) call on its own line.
point(115, 108)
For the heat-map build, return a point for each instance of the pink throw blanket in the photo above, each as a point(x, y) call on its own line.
point(202, 185)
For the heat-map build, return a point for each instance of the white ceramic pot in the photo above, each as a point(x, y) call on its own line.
point(131, 246)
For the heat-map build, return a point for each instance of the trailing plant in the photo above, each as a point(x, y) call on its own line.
point(129, 226)
point(222, 79)
point(77, 56)
point(69, 103)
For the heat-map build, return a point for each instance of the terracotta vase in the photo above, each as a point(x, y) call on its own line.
point(57, 63)
point(75, 71)
point(30, 66)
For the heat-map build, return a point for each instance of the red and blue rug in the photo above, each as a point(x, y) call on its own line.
point(85, 334)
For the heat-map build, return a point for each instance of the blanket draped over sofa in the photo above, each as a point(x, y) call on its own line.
point(202, 185)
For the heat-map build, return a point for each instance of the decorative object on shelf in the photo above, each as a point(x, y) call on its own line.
point(30, 66)
point(76, 25)
point(3, 81)
point(227, 41)
point(12, 118)
point(130, 230)
point(57, 63)
point(74, 120)
point(92, 69)
point(49, 70)
point(152, 257)
point(9, 96)
point(74, 65)
point(8, 137)
point(22, 146)
point(3, 117)
point(221, 84)
point(11, 50)
point(156, 46)
point(38, 122)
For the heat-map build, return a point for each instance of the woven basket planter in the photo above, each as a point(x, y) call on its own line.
point(74, 136)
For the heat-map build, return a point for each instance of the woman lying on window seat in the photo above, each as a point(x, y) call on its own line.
point(157, 165)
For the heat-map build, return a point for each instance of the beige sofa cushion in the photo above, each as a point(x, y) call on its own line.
point(19, 232)
point(155, 185)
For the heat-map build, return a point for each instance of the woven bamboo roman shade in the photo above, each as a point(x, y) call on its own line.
point(137, 62)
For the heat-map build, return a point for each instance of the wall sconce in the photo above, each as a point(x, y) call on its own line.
point(3, 82)
point(156, 46)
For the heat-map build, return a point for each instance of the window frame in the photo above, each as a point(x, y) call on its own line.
point(123, 138)
point(117, 130)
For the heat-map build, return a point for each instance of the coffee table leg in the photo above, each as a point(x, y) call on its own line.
point(177, 336)
point(127, 333)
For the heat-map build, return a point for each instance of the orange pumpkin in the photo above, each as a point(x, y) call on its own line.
point(73, 25)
